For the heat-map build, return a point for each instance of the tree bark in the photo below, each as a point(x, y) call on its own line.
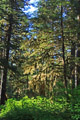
point(5, 70)
point(78, 63)
point(78, 46)
point(73, 64)
point(63, 47)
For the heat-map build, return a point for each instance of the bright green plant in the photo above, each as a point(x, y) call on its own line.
point(35, 109)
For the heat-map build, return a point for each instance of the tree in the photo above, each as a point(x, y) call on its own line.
point(41, 54)
point(44, 50)
point(12, 29)
point(52, 46)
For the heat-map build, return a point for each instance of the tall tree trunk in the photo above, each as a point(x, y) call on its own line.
point(76, 78)
point(73, 64)
point(5, 70)
point(1, 80)
point(1, 71)
point(78, 46)
point(78, 64)
point(63, 47)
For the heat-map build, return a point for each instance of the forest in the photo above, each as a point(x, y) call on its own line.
point(40, 60)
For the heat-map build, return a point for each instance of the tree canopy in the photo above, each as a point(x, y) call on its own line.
point(40, 51)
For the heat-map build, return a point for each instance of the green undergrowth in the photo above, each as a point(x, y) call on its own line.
point(36, 109)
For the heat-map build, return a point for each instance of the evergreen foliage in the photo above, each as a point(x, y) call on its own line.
point(40, 58)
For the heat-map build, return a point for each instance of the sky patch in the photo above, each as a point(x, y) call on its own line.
point(32, 7)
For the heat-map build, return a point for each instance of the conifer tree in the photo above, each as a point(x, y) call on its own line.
point(11, 29)
point(52, 45)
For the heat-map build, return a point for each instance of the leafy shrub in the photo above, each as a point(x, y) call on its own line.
point(35, 109)
point(74, 105)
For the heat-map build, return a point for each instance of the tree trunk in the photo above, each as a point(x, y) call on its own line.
point(73, 64)
point(5, 70)
point(76, 78)
point(78, 64)
point(63, 47)
point(78, 46)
